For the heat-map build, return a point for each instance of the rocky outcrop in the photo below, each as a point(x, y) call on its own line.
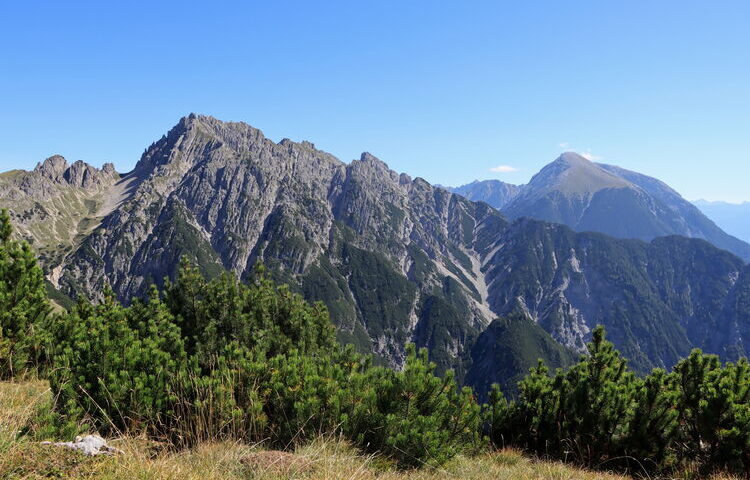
point(55, 170)
point(56, 205)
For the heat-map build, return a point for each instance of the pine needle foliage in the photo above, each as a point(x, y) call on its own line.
point(599, 414)
point(23, 305)
point(222, 360)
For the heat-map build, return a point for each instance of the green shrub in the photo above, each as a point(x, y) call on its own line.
point(306, 396)
point(113, 365)
point(598, 414)
point(580, 414)
point(222, 360)
point(260, 316)
point(714, 411)
point(652, 426)
point(414, 416)
point(220, 402)
point(23, 306)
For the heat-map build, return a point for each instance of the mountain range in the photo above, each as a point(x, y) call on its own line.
point(590, 196)
point(394, 258)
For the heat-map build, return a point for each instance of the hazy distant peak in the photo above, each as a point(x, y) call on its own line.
point(496, 193)
point(572, 158)
point(703, 201)
point(571, 173)
point(589, 196)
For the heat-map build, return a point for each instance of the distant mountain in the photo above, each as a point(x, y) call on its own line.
point(395, 259)
point(56, 205)
point(733, 218)
point(492, 192)
point(604, 198)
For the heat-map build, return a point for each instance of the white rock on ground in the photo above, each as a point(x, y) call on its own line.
point(90, 445)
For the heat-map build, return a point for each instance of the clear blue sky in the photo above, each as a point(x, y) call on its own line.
point(441, 90)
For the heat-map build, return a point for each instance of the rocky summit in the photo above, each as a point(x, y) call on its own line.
point(394, 259)
point(56, 205)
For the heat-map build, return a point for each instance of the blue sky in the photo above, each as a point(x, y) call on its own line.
point(441, 90)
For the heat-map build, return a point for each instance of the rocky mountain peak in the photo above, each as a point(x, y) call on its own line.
point(590, 196)
point(572, 158)
point(194, 136)
point(109, 169)
point(376, 169)
point(79, 174)
point(572, 174)
point(496, 193)
point(52, 167)
point(373, 162)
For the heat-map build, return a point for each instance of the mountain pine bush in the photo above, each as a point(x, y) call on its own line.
point(415, 416)
point(222, 360)
point(653, 423)
point(599, 414)
point(714, 411)
point(113, 365)
point(23, 305)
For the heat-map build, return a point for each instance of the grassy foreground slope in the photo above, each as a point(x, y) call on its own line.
point(24, 458)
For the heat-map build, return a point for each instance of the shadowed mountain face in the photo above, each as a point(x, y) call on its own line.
point(398, 260)
point(588, 196)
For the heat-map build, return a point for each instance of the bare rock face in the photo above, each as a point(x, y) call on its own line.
point(80, 174)
point(53, 168)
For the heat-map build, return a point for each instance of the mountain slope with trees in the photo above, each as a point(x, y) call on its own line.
point(201, 362)
point(397, 260)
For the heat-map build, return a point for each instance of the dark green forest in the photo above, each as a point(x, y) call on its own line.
point(200, 360)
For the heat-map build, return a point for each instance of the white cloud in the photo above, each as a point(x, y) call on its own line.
point(585, 154)
point(503, 169)
point(590, 156)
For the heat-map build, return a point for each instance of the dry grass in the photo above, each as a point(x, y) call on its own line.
point(18, 401)
point(329, 460)
point(326, 459)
